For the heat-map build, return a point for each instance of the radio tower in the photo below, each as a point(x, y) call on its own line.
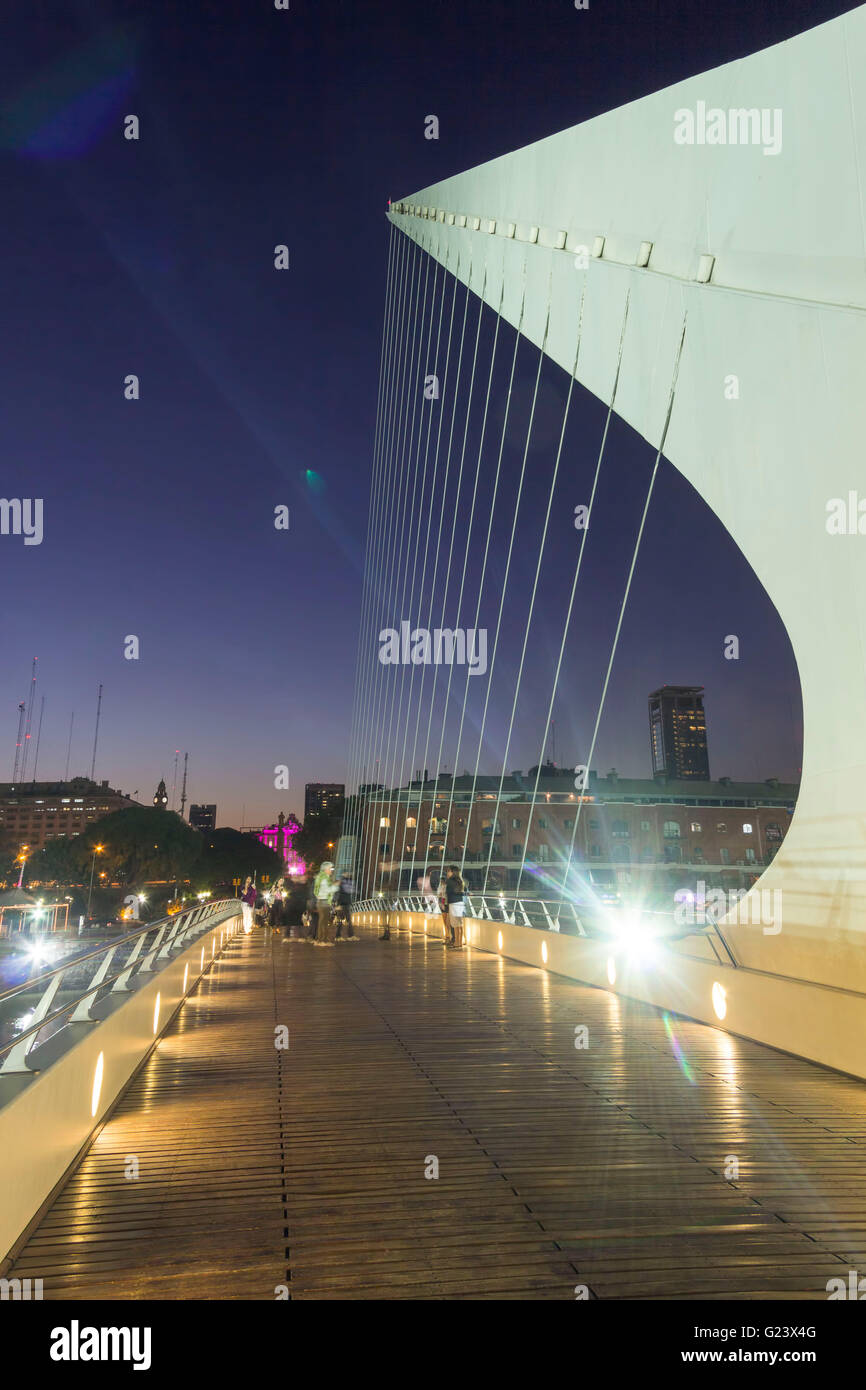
point(21, 709)
point(183, 790)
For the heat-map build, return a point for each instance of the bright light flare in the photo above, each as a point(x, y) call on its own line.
point(720, 1000)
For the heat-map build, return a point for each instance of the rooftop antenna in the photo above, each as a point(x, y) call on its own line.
point(18, 745)
point(38, 739)
point(69, 745)
point(174, 779)
point(29, 720)
point(96, 732)
point(183, 792)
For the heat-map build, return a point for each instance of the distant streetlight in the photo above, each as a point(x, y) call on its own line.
point(23, 858)
point(97, 849)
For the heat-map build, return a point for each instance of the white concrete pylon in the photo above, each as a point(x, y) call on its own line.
point(756, 229)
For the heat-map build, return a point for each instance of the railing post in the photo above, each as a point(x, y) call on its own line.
point(120, 985)
point(82, 1010)
point(16, 1058)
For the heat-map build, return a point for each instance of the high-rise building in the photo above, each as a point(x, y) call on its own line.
point(324, 798)
point(202, 817)
point(678, 732)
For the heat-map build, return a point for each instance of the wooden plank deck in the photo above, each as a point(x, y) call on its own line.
point(601, 1167)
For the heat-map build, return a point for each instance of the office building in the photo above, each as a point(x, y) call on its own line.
point(324, 798)
point(202, 817)
point(678, 733)
point(33, 813)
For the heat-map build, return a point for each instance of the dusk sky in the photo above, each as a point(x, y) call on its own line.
point(155, 257)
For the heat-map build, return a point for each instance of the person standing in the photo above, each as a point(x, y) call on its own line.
point(447, 928)
point(324, 889)
point(425, 888)
point(343, 902)
point(294, 903)
point(248, 898)
point(276, 905)
point(454, 896)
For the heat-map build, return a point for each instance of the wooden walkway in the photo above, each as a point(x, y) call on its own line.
point(604, 1167)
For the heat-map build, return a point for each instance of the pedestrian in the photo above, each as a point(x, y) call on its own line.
point(260, 911)
point(248, 899)
point(454, 895)
point(323, 890)
point(276, 905)
point(425, 888)
point(343, 902)
point(294, 905)
point(447, 929)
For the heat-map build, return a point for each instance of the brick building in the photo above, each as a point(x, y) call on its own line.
point(653, 835)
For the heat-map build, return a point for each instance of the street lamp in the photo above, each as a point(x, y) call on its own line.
point(23, 858)
point(97, 849)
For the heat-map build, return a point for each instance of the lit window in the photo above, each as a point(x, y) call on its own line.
point(747, 827)
point(696, 827)
point(384, 823)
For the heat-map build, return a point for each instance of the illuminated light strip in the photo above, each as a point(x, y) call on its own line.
point(97, 1084)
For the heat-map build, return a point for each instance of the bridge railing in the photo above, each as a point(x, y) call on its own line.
point(39, 1007)
point(494, 907)
point(597, 920)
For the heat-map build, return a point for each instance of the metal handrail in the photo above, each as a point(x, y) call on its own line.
point(15, 1053)
point(540, 914)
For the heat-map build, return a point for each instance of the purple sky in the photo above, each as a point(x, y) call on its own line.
point(156, 258)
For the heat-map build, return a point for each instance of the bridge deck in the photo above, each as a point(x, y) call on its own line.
point(557, 1167)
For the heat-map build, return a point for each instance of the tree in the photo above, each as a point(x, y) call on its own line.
point(145, 842)
point(64, 860)
point(318, 837)
point(227, 854)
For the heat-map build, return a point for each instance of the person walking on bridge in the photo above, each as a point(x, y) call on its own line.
point(343, 905)
point(323, 891)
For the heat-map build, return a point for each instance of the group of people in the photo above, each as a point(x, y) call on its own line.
point(447, 898)
point(320, 913)
point(317, 911)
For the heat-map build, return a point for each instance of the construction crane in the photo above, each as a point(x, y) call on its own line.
point(19, 742)
point(29, 724)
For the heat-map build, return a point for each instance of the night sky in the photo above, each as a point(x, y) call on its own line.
point(258, 388)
